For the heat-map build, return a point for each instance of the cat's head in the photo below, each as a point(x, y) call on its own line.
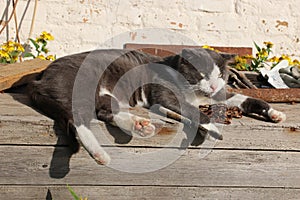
point(204, 69)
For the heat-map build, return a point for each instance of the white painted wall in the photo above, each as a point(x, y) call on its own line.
point(80, 25)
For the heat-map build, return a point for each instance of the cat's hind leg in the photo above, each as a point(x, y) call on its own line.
point(255, 106)
point(276, 116)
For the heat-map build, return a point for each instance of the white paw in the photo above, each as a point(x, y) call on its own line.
point(90, 143)
point(276, 116)
point(143, 127)
point(213, 131)
point(101, 157)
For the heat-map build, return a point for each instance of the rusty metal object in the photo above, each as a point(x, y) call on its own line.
point(271, 95)
point(221, 113)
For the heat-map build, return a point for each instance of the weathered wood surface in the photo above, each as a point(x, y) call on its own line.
point(148, 192)
point(17, 74)
point(24, 126)
point(256, 160)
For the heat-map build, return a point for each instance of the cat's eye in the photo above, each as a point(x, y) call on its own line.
point(202, 75)
point(220, 75)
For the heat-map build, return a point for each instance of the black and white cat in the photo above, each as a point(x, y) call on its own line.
point(125, 78)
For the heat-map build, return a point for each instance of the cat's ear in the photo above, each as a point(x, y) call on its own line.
point(228, 57)
point(222, 59)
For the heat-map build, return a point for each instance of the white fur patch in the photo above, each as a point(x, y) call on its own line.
point(204, 85)
point(212, 128)
point(103, 91)
point(124, 120)
point(216, 81)
point(276, 116)
point(236, 100)
point(90, 143)
point(144, 101)
point(200, 100)
point(212, 84)
point(134, 124)
point(144, 98)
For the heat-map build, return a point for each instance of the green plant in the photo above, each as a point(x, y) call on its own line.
point(11, 52)
point(261, 59)
point(40, 44)
point(75, 196)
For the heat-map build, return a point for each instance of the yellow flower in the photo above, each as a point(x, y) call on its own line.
point(239, 59)
point(263, 53)
point(274, 59)
point(8, 46)
point(15, 58)
point(41, 57)
point(269, 44)
point(19, 47)
point(210, 48)
point(4, 54)
point(46, 36)
point(286, 57)
point(249, 57)
point(50, 57)
point(296, 62)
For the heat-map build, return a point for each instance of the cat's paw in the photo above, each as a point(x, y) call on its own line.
point(143, 127)
point(213, 131)
point(102, 158)
point(276, 116)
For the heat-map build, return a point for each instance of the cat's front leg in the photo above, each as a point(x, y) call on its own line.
point(138, 126)
point(108, 110)
point(255, 106)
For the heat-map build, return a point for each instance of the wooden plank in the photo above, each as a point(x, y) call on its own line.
point(167, 50)
point(32, 165)
point(271, 95)
point(145, 192)
point(21, 125)
point(236, 136)
point(17, 74)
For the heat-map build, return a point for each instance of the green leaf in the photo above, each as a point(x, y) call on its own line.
point(28, 55)
point(247, 67)
point(3, 60)
point(35, 44)
point(44, 49)
point(73, 193)
point(257, 47)
point(15, 53)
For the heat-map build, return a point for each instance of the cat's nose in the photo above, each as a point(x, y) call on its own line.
point(213, 88)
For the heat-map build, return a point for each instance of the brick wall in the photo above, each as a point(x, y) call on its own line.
point(80, 25)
